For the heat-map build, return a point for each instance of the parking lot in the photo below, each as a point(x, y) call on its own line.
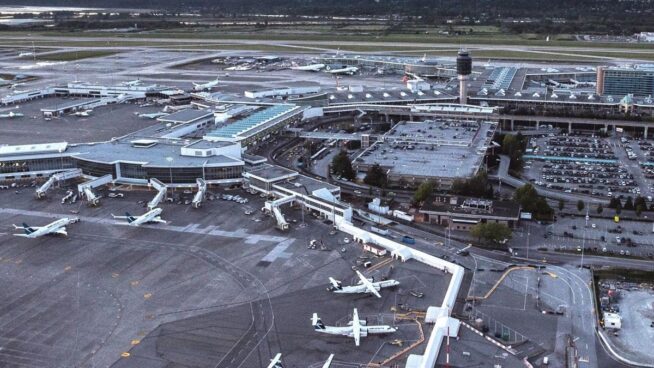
point(591, 165)
point(602, 236)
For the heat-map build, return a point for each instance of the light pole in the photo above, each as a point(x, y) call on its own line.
point(170, 160)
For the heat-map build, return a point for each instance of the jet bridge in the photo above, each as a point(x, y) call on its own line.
point(199, 196)
point(162, 189)
point(56, 177)
point(86, 188)
point(272, 207)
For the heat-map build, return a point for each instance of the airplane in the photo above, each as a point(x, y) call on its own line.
point(56, 227)
point(355, 328)
point(151, 216)
point(153, 115)
point(349, 70)
point(84, 113)
point(205, 86)
point(309, 68)
point(11, 115)
point(25, 54)
point(276, 362)
point(132, 83)
point(365, 285)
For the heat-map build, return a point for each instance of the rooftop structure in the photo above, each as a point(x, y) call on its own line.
point(442, 149)
point(255, 125)
point(460, 213)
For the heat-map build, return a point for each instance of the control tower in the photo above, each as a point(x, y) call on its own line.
point(463, 70)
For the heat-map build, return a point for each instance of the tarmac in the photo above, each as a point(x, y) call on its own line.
point(211, 288)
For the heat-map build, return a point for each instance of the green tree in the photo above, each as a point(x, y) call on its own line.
point(477, 186)
point(629, 204)
point(342, 166)
point(531, 201)
point(561, 204)
point(640, 201)
point(492, 232)
point(618, 208)
point(424, 191)
point(513, 146)
point(376, 176)
point(615, 203)
point(639, 209)
point(600, 209)
point(580, 205)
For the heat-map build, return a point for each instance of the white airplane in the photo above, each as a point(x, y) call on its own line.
point(150, 216)
point(349, 70)
point(56, 227)
point(355, 328)
point(132, 83)
point(309, 68)
point(205, 86)
point(11, 115)
point(365, 285)
point(276, 362)
point(84, 113)
point(25, 54)
point(153, 115)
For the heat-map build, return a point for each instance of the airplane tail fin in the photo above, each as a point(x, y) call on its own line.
point(130, 218)
point(336, 285)
point(27, 228)
point(317, 323)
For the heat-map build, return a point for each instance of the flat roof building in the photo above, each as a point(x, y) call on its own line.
point(637, 80)
point(443, 149)
point(462, 213)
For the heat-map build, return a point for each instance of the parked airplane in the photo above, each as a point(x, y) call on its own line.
point(309, 68)
point(150, 216)
point(349, 70)
point(11, 115)
point(276, 362)
point(365, 285)
point(25, 54)
point(84, 113)
point(56, 227)
point(132, 83)
point(205, 86)
point(153, 115)
point(355, 328)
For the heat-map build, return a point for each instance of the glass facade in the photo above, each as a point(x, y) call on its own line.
point(95, 168)
point(622, 82)
point(41, 164)
point(175, 175)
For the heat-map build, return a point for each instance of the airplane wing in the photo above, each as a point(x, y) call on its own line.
point(119, 217)
point(61, 231)
point(21, 227)
point(158, 219)
point(23, 235)
point(328, 363)
point(371, 288)
point(276, 362)
point(356, 327)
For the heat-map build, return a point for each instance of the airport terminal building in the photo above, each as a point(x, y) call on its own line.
point(136, 161)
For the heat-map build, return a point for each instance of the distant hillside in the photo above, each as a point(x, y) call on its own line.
point(432, 8)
